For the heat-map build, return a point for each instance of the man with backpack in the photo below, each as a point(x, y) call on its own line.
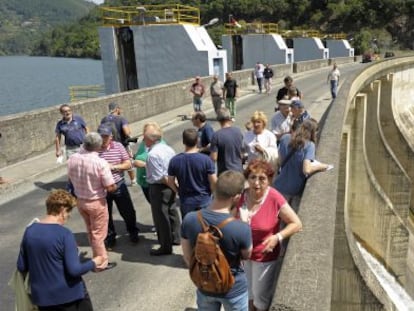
point(120, 131)
point(205, 259)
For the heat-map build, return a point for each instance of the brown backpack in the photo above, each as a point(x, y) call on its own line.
point(209, 268)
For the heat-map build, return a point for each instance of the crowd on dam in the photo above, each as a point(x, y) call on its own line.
point(246, 183)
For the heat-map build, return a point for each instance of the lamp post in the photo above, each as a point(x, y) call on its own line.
point(211, 22)
point(142, 10)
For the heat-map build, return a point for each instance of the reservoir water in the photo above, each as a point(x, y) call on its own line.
point(28, 83)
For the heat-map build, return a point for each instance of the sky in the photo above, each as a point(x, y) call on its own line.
point(97, 1)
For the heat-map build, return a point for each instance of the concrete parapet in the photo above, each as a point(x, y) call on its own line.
point(310, 65)
point(341, 60)
point(307, 278)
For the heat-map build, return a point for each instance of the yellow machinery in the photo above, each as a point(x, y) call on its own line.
point(251, 28)
point(79, 92)
point(150, 14)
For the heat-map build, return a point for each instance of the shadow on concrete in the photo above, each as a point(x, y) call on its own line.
point(190, 309)
point(139, 252)
point(52, 185)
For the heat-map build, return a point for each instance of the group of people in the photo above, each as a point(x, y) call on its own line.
point(209, 175)
point(262, 194)
point(219, 91)
point(263, 75)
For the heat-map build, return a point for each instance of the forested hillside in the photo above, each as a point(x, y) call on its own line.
point(22, 22)
point(370, 24)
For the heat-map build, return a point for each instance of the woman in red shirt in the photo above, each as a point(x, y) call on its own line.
point(264, 209)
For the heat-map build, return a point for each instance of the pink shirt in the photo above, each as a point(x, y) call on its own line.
point(115, 154)
point(89, 175)
point(264, 222)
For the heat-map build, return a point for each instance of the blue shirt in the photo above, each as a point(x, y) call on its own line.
point(291, 180)
point(192, 171)
point(73, 131)
point(228, 142)
point(205, 134)
point(159, 157)
point(49, 252)
point(237, 235)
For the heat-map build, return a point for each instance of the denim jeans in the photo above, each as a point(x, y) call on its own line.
point(210, 303)
point(125, 207)
point(334, 88)
point(197, 102)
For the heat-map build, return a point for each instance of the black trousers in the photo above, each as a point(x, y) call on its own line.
point(84, 304)
point(167, 219)
point(123, 202)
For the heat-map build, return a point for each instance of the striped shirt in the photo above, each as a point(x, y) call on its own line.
point(115, 154)
point(89, 175)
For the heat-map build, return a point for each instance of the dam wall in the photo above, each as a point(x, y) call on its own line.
point(365, 202)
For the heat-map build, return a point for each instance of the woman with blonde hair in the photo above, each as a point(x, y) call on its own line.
point(259, 141)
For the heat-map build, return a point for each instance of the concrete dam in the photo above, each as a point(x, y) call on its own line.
point(365, 207)
point(360, 212)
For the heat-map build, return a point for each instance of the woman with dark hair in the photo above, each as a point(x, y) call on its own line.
point(297, 160)
point(263, 208)
point(49, 253)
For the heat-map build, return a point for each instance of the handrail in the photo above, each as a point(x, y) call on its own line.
point(246, 28)
point(78, 92)
point(150, 15)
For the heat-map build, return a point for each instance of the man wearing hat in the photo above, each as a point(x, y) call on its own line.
point(299, 114)
point(118, 158)
point(120, 131)
point(197, 89)
point(282, 121)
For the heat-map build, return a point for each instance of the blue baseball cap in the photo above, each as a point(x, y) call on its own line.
point(104, 130)
point(297, 104)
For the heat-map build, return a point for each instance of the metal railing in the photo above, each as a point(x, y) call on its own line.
point(336, 36)
point(301, 33)
point(251, 28)
point(150, 14)
point(79, 92)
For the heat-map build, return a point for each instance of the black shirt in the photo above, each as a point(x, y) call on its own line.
point(230, 86)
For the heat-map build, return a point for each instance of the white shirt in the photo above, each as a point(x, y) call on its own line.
point(158, 159)
point(334, 74)
point(281, 124)
point(266, 140)
point(258, 70)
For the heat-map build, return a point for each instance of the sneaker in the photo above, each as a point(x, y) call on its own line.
point(233, 119)
point(133, 183)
